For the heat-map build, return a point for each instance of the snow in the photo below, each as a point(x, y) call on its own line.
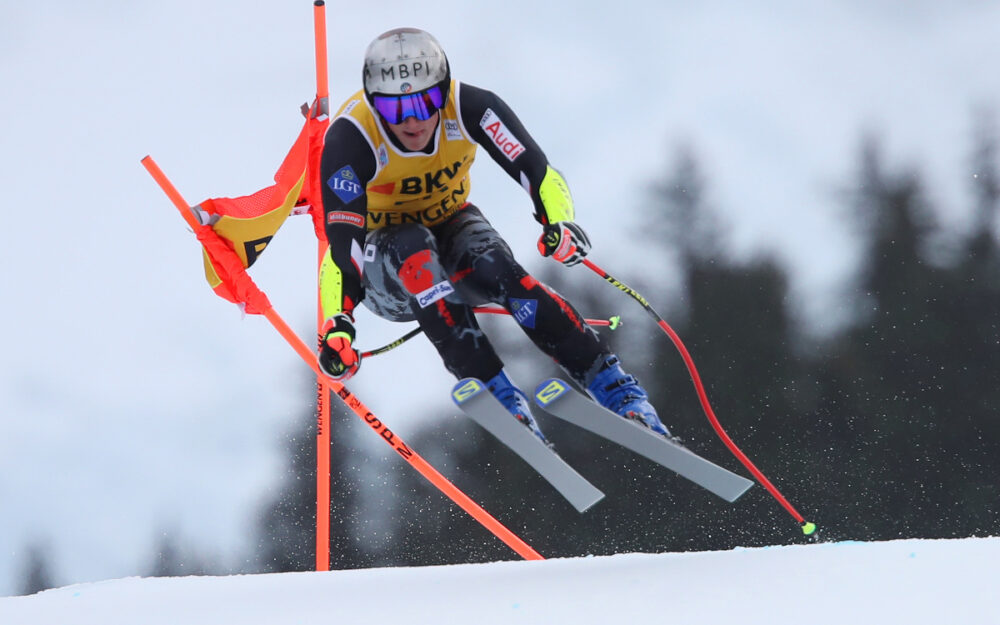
point(904, 581)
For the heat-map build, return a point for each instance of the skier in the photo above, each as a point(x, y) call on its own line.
point(405, 240)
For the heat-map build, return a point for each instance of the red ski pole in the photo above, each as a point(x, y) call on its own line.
point(807, 527)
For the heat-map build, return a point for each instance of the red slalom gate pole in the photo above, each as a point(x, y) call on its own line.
point(322, 459)
point(807, 527)
point(322, 387)
point(352, 402)
point(319, 34)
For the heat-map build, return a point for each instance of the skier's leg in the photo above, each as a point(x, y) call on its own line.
point(404, 275)
point(483, 268)
point(482, 263)
point(405, 264)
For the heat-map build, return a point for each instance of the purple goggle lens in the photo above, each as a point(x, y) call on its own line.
point(421, 105)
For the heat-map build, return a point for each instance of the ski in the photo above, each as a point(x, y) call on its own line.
point(475, 400)
point(557, 398)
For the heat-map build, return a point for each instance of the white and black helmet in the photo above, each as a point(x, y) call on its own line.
point(403, 61)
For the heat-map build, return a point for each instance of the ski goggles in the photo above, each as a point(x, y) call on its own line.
point(422, 105)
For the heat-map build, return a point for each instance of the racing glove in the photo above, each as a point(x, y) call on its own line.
point(337, 357)
point(564, 241)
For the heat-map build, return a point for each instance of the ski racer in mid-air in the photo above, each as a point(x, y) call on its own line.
point(406, 242)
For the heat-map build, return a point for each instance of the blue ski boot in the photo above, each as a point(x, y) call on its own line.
point(516, 402)
point(620, 393)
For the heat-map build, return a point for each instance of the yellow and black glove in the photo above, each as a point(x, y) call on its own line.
point(564, 241)
point(337, 357)
point(562, 238)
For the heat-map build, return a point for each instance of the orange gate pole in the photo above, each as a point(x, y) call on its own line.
point(322, 388)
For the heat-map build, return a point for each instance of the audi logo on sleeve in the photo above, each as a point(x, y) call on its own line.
point(501, 136)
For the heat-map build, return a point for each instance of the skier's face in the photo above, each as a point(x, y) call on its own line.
point(413, 133)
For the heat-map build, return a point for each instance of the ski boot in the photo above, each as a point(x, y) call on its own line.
point(516, 402)
point(620, 393)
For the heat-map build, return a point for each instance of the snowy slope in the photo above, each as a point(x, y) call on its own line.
point(905, 581)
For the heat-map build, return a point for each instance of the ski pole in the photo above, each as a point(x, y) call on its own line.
point(393, 345)
point(613, 323)
point(807, 527)
point(217, 249)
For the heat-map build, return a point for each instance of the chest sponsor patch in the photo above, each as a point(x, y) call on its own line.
point(345, 184)
point(501, 136)
point(524, 311)
point(344, 217)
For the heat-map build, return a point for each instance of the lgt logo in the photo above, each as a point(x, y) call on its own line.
point(345, 184)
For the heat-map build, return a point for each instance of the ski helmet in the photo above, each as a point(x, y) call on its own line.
point(405, 60)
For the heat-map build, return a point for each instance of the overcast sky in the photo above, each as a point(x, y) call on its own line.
point(134, 401)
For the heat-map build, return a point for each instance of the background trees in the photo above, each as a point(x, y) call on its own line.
point(885, 428)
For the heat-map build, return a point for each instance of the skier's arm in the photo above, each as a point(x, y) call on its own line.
point(346, 167)
point(493, 125)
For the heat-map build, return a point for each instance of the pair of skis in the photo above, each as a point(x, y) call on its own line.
point(556, 397)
